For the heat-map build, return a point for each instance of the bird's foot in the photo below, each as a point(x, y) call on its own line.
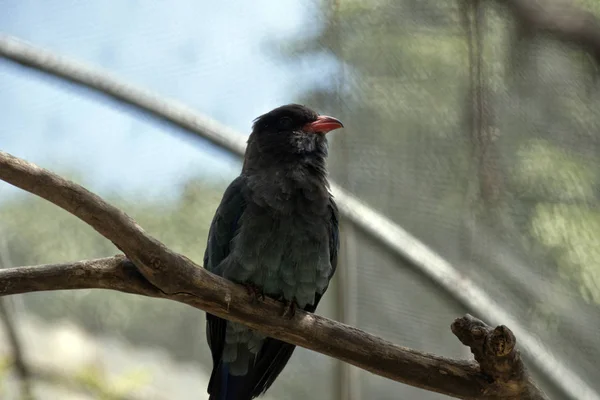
point(255, 291)
point(289, 308)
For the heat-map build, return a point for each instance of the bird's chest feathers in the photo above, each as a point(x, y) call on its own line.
point(300, 188)
point(283, 243)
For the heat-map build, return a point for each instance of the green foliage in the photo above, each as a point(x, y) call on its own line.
point(572, 232)
point(563, 186)
point(547, 172)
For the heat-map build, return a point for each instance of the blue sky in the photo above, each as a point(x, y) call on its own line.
point(214, 56)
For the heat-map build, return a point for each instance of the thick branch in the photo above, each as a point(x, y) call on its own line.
point(155, 261)
point(456, 378)
point(114, 273)
point(167, 274)
point(495, 351)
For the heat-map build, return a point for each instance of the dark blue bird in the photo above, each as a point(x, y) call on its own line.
point(276, 232)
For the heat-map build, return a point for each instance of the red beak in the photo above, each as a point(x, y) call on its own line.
point(323, 124)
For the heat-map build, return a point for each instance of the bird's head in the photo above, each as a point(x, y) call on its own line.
point(292, 129)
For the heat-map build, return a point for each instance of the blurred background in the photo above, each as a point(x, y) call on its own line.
point(462, 126)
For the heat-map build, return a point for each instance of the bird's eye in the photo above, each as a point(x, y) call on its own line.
point(285, 122)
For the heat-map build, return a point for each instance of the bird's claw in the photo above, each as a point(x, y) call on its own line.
point(256, 292)
point(289, 308)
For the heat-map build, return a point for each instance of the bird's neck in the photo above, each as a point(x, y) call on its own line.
point(287, 179)
point(296, 167)
point(310, 165)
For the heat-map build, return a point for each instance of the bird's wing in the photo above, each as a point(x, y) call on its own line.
point(224, 225)
point(222, 230)
point(334, 248)
point(275, 354)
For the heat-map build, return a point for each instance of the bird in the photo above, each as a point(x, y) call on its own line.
point(275, 231)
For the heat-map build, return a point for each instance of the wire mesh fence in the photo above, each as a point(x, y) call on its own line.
point(463, 125)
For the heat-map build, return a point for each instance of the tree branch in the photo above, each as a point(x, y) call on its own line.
point(157, 271)
point(114, 273)
point(456, 378)
point(494, 350)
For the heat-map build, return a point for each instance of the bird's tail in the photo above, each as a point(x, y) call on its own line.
point(226, 386)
